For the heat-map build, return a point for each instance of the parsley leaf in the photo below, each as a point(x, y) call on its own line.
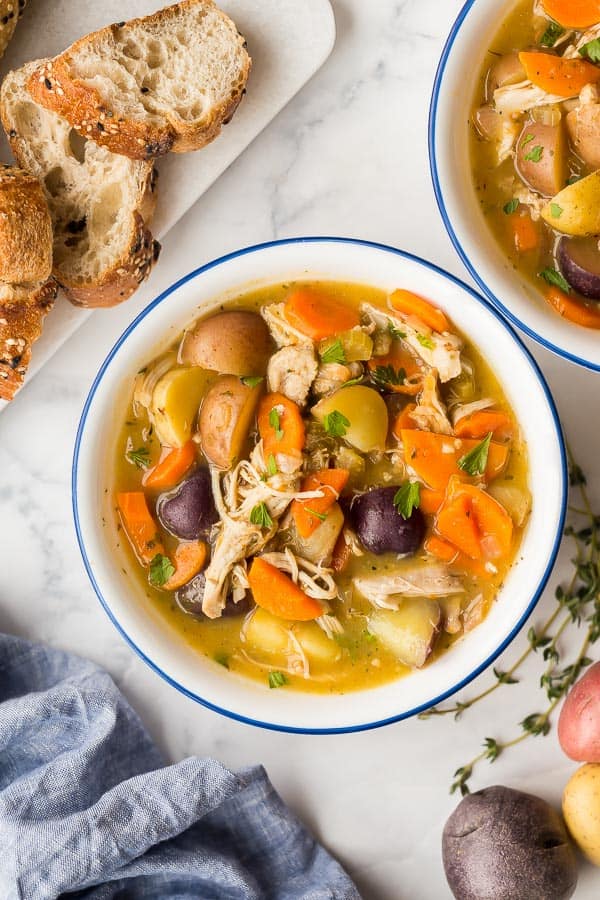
point(335, 353)
point(551, 34)
point(277, 679)
point(139, 457)
point(425, 341)
point(384, 375)
point(335, 423)
point(318, 515)
point(272, 465)
point(535, 154)
point(511, 207)
point(161, 569)
point(407, 498)
point(591, 50)
point(222, 659)
point(475, 462)
point(552, 276)
point(275, 423)
point(358, 380)
point(527, 139)
point(556, 210)
point(260, 516)
point(252, 380)
point(395, 332)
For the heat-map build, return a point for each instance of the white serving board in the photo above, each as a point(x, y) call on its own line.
point(288, 40)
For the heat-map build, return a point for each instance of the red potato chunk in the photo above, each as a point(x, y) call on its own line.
point(542, 158)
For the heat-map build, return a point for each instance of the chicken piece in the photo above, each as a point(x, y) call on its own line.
point(332, 376)
point(387, 591)
point(236, 541)
point(430, 412)
point(528, 198)
point(583, 125)
point(291, 371)
point(515, 99)
point(284, 334)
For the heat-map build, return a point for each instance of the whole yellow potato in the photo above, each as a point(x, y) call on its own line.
point(581, 809)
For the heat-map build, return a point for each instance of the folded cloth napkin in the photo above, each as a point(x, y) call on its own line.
point(87, 808)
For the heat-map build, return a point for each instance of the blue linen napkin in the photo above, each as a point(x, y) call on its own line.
point(86, 806)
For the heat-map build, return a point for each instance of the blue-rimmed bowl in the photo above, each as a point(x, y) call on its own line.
point(451, 105)
point(122, 596)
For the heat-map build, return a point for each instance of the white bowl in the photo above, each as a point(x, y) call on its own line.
point(156, 327)
point(453, 92)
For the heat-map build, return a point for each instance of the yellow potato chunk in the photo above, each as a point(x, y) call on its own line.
point(175, 402)
point(576, 209)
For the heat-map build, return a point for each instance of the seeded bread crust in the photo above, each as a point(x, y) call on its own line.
point(137, 121)
point(25, 228)
point(10, 13)
point(23, 308)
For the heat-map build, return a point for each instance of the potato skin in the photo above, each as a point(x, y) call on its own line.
point(226, 416)
point(237, 342)
point(549, 174)
point(502, 844)
point(581, 809)
point(579, 722)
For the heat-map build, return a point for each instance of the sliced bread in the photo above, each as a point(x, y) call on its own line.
point(100, 202)
point(168, 81)
point(23, 308)
point(25, 228)
point(10, 12)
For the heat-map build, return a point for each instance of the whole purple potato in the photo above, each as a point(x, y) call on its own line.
point(501, 844)
point(188, 511)
point(190, 597)
point(579, 261)
point(379, 525)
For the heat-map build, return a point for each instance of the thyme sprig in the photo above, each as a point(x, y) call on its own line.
point(577, 606)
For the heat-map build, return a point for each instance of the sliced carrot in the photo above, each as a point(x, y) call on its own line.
point(557, 75)
point(479, 424)
point(172, 468)
point(342, 552)
point(474, 522)
point(456, 523)
point(280, 425)
point(440, 548)
point(574, 13)
point(404, 420)
point(413, 305)
point(526, 234)
point(476, 568)
point(189, 559)
point(140, 527)
point(307, 513)
point(434, 457)
point(318, 314)
point(399, 371)
point(274, 591)
point(573, 310)
point(430, 501)
point(494, 523)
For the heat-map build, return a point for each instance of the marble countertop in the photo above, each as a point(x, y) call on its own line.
point(348, 156)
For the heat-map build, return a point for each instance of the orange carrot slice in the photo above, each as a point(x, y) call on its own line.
point(434, 457)
point(140, 527)
point(456, 523)
point(404, 420)
point(573, 310)
point(494, 523)
point(440, 548)
point(308, 513)
point(341, 554)
point(318, 314)
point(280, 425)
point(526, 233)
point(479, 424)
point(556, 75)
point(574, 13)
point(430, 501)
point(189, 559)
point(399, 371)
point(274, 591)
point(172, 468)
point(413, 305)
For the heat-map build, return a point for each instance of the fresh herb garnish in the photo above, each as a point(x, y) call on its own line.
point(573, 179)
point(222, 659)
point(271, 465)
point(335, 423)
point(318, 515)
point(275, 423)
point(407, 498)
point(260, 516)
point(579, 604)
point(358, 380)
point(139, 457)
point(535, 154)
point(475, 461)
point(552, 276)
point(161, 569)
point(591, 50)
point(556, 210)
point(425, 341)
point(335, 353)
point(551, 34)
point(527, 139)
point(368, 636)
point(395, 332)
point(277, 679)
point(384, 375)
point(511, 207)
point(252, 380)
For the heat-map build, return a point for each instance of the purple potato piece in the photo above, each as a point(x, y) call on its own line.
point(502, 843)
point(579, 261)
point(188, 511)
point(189, 599)
point(381, 528)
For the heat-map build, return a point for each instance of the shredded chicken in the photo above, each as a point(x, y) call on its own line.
point(331, 376)
point(439, 351)
point(474, 614)
point(515, 99)
point(466, 409)
point(430, 413)
point(386, 591)
point(316, 581)
point(528, 198)
point(284, 334)
point(572, 51)
point(291, 372)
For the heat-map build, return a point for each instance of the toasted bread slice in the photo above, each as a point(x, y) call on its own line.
point(23, 308)
point(25, 228)
point(10, 12)
point(100, 202)
point(168, 81)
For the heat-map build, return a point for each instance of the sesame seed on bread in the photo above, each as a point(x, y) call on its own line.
point(10, 13)
point(25, 228)
point(23, 308)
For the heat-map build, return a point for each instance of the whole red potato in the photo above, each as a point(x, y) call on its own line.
point(579, 722)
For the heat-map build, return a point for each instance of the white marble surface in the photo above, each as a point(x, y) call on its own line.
point(348, 156)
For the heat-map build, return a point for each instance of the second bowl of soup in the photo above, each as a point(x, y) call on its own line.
point(326, 478)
